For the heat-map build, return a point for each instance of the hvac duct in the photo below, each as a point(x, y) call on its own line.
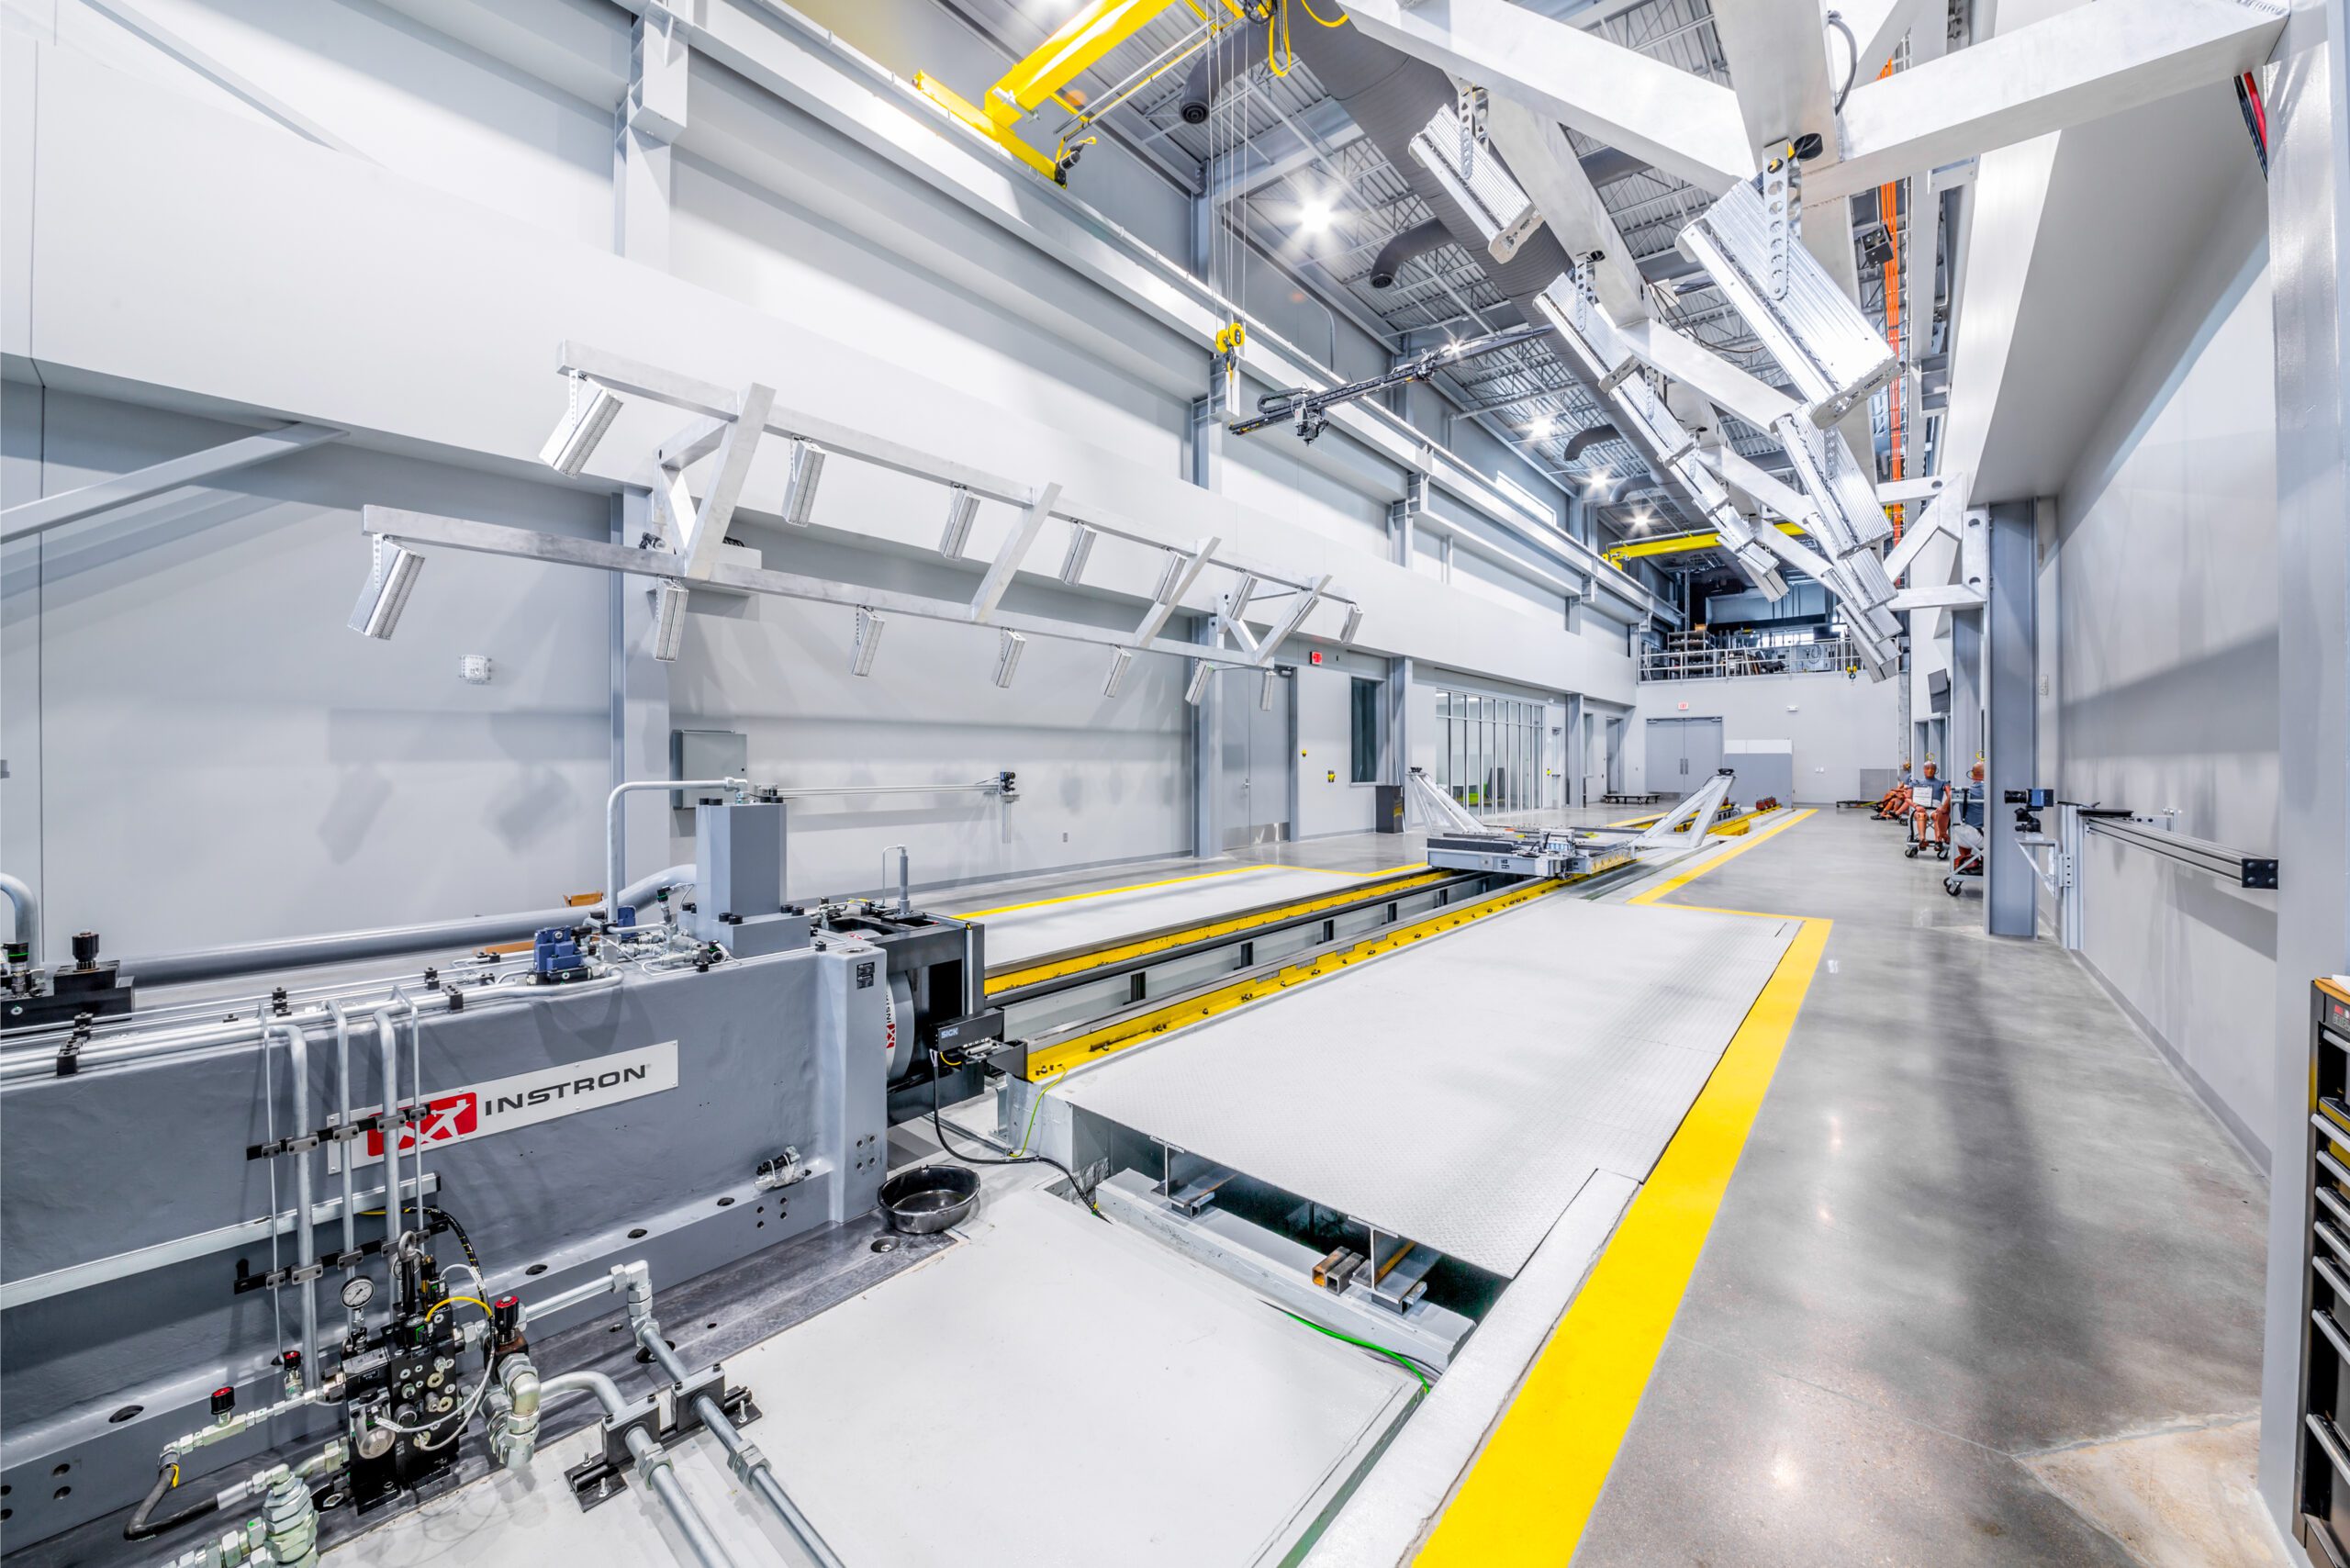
point(1584, 440)
point(1405, 247)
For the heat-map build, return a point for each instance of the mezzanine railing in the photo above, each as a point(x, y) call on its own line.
point(1715, 662)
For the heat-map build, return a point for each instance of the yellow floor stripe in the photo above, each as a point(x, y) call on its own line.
point(1531, 1492)
point(1106, 893)
point(1683, 878)
point(1229, 925)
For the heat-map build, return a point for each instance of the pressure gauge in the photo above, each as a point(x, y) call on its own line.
point(358, 1291)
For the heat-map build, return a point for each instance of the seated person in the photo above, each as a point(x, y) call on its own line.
point(1895, 806)
point(1966, 834)
point(1926, 798)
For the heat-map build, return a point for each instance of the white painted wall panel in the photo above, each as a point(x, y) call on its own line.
point(222, 761)
point(1838, 728)
point(2165, 602)
point(1100, 778)
point(773, 255)
point(222, 267)
point(395, 90)
point(201, 708)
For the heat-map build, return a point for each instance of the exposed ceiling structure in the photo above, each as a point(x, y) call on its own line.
point(1284, 166)
point(1311, 191)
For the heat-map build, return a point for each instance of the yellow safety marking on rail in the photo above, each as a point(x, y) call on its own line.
point(1106, 893)
point(1529, 1494)
point(1057, 1059)
point(1229, 925)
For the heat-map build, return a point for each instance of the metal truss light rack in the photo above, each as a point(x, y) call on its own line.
point(686, 549)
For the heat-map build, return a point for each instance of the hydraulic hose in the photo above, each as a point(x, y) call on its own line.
point(142, 1528)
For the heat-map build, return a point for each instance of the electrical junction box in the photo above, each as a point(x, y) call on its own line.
point(706, 753)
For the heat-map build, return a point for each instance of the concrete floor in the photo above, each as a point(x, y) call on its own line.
point(1987, 1286)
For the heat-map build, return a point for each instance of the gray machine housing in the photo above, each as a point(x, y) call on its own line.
point(133, 1205)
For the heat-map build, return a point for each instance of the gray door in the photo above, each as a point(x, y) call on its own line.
point(1683, 754)
point(1701, 749)
point(1254, 760)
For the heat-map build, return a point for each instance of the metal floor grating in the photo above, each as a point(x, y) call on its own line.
point(1461, 1092)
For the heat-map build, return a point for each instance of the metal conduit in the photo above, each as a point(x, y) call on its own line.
point(306, 1241)
point(27, 914)
point(216, 963)
point(652, 1464)
point(343, 1119)
point(39, 1058)
point(387, 1049)
point(750, 1466)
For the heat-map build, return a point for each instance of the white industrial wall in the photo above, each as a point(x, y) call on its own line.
point(1837, 725)
point(2161, 583)
point(200, 752)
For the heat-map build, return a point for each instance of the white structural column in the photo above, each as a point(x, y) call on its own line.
point(2077, 66)
point(2010, 647)
point(639, 687)
point(652, 116)
point(1778, 63)
point(1679, 122)
point(2309, 239)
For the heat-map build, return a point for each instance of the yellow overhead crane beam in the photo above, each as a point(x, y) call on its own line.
point(1074, 48)
point(1679, 545)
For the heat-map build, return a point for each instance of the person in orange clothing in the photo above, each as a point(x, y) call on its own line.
point(1895, 806)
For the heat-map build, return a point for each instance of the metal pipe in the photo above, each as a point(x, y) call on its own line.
point(37, 1057)
point(750, 1465)
point(343, 1119)
point(388, 1050)
point(652, 1464)
point(306, 1241)
point(905, 876)
point(347, 946)
point(614, 860)
point(565, 1300)
point(20, 894)
point(416, 1092)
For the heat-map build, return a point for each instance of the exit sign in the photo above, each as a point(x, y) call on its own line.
point(1314, 657)
point(1684, 707)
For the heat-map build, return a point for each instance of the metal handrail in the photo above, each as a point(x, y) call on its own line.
point(1718, 661)
point(2196, 854)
